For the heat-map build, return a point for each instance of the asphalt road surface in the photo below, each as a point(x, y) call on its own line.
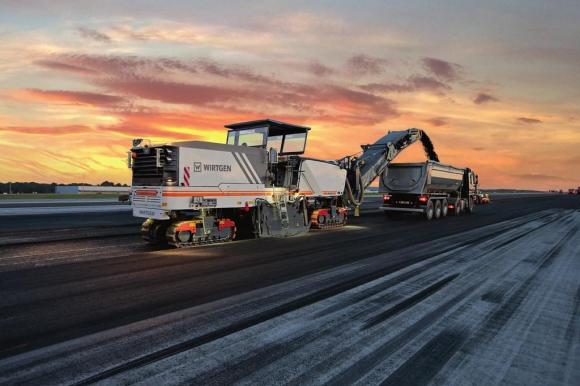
point(489, 298)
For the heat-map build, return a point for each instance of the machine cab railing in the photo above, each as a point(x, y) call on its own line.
point(284, 138)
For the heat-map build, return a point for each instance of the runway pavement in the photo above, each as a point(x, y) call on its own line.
point(18, 203)
point(379, 301)
point(50, 210)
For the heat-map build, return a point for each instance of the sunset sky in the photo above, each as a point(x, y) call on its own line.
point(496, 84)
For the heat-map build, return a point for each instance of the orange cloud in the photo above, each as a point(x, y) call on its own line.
point(62, 130)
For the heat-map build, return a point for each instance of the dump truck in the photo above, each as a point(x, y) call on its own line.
point(257, 184)
point(430, 188)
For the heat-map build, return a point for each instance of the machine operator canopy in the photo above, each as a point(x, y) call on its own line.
point(286, 138)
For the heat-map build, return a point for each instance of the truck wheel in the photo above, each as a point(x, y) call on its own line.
point(444, 208)
point(429, 211)
point(471, 206)
point(458, 206)
point(437, 213)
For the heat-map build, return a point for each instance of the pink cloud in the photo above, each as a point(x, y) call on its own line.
point(237, 88)
point(69, 97)
point(308, 100)
point(173, 92)
point(61, 66)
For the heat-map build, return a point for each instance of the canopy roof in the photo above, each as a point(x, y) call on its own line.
point(274, 127)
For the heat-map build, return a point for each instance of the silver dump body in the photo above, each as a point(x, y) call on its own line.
point(421, 178)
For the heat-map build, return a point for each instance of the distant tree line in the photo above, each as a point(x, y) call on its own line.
point(35, 187)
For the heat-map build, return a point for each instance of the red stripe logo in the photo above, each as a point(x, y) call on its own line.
point(186, 175)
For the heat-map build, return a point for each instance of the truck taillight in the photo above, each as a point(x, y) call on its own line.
point(423, 198)
point(386, 197)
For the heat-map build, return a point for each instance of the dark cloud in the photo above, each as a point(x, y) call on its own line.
point(482, 98)
point(320, 69)
point(529, 121)
point(232, 72)
point(437, 122)
point(386, 87)
point(442, 69)
point(93, 34)
point(127, 65)
point(131, 66)
point(478, 148)
point(413, 83)
point(365, 65)
point(427, 83)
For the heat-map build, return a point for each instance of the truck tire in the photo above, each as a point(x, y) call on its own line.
point(444, 208)
point(458, 206)
point(437, 213)
point(429, 211)
point(471, 206)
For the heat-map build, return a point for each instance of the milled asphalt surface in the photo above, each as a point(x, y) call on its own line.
point(509, 282)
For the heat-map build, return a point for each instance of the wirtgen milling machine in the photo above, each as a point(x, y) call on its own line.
point(256, 184)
